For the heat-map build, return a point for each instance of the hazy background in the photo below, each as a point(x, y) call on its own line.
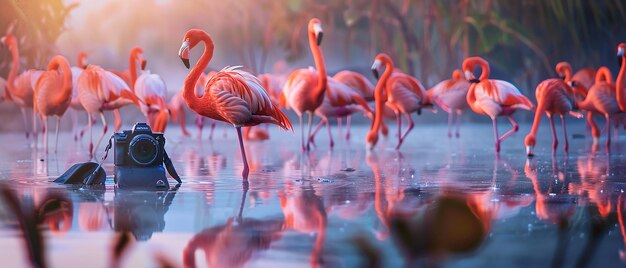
point(523, 40)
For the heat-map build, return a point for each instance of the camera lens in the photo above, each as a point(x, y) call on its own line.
point(143, 149)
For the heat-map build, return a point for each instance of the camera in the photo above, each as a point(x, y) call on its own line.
point(139, 158)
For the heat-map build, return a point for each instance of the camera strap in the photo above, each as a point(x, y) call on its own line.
point(89, 180)
point(170, 167)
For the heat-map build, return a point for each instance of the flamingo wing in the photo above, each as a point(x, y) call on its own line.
point(356, 82)
point(509, 95)
point(299, 83)
point(241, 100)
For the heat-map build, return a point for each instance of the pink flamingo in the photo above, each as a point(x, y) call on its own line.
point(231, 95)
point(340, 101)
point(585, 76)
point(177, 104)
point(400, 92)
point(53, 94)
point(304, 90)
point(450, 95)
point(493, 97)
point(75, 104)
point(606, 98)
point(151, 89)
point(554, 97)
point(100, 90)
point(20, 87)
point(360, 85)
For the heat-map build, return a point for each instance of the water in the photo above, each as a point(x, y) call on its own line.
point(337, 208)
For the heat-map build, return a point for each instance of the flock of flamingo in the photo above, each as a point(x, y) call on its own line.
point(242, 99)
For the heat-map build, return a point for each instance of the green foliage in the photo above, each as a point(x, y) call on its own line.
point(37, 24)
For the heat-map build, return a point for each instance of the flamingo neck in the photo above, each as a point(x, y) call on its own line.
point(59, 63)
point(379, 97)
point(619, 86)
point(132, 68)
point(189, 92)
point(81, 60)
point(604, 75)
point(15, 65)
point(318, 57)
point(485, 71)
point(568, 74)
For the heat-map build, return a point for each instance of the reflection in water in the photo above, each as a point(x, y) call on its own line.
point(430, 204)
point(232, 244)
point(594, 171)
point(141, 213)
point(304, 212)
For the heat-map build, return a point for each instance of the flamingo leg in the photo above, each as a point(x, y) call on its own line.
point(213, 123)
point(45, 134)
point(555, 140)
point(450, 119)
point(348, 123)
point(91, 120)
point(74, 115)
point(566, 145)
point(105, 127)
point(399, 120)
point(608, 132)
point(301, 133)
point(118, 120)
point(246, 169)
point(330, 134)
point(317, 128)
point(595, 131)
point(308, 147)
point(23, 110)
point(56, 135)
point(90, 136)
point(339, 123)
point(411, 125)
point(495, 134)
point(513, 129)
point(200, 124)
point(458, 123)
point(183, 127)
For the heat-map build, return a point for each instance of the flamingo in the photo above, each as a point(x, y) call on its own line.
point(554, 97)
point(360, 85)
point(230, 95)
point(151, 90)
point(400, 92)
point(449, 95)
point(305, 88)
point(20, 87)
point(340, 101)
point(53, 94)
point(274, 88)
point(585, 77)
point(100, 90)
point(605, 98)
point(75, 103)
point(493, 97)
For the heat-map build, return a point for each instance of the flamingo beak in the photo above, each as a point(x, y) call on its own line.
point(319, 34)
point(143, 64)
point(375, 67)
point(469, 76)
point(529, 151)
point(183, 53)
point(85, 64)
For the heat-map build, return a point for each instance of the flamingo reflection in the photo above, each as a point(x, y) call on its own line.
point(232, 244)
point(593, 171)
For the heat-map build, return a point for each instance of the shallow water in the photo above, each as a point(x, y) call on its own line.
point(328, 207)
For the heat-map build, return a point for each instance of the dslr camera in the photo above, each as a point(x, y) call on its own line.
point(140, 157)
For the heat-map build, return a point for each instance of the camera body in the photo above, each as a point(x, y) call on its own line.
point(138, 157)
